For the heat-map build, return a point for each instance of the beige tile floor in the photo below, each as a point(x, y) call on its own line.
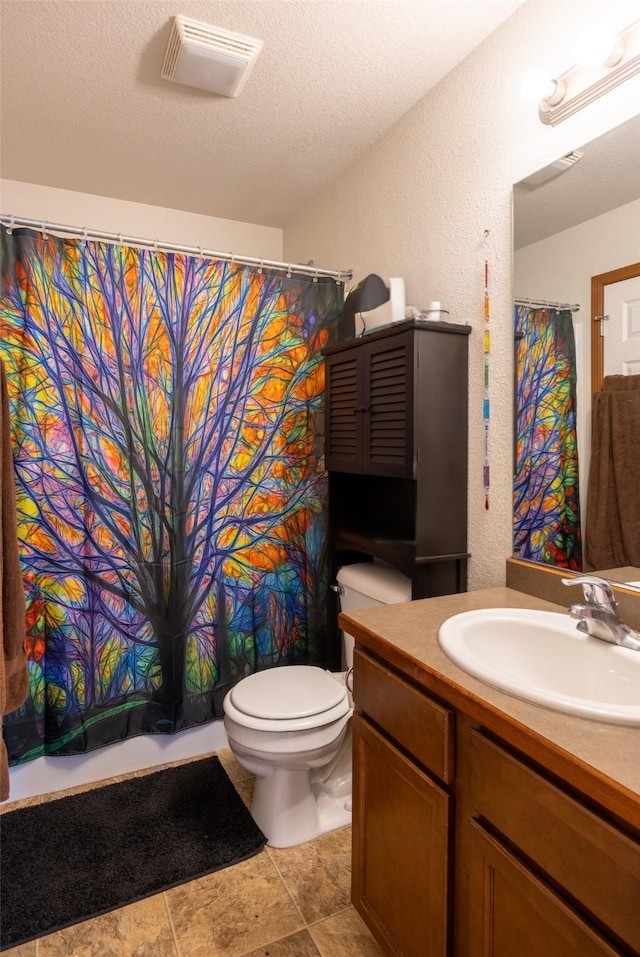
point(283, 902)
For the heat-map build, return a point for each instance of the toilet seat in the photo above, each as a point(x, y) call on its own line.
point(285, 699)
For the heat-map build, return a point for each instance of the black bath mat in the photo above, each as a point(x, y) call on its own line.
point(79, 856)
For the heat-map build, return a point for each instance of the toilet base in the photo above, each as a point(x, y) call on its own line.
point(302, 777)
point(290, 809)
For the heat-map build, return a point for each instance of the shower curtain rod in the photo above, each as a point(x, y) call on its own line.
point(545, 304)
point(44, 227)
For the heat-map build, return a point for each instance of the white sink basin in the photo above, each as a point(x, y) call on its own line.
point(542, 657)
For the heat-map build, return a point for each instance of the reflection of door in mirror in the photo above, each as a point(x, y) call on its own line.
point(622, 347)
point(615, 325)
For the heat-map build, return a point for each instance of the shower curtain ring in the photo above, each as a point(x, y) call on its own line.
point(289, 271)
point(10, 226)
point(119, 239)
point(199, 252)
point(155, 245)
point(84, 235)
point(315, 278)
point(44, 230)
point(261, 266)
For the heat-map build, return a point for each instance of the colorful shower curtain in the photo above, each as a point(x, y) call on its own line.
point(166, 420)
point(546, 496)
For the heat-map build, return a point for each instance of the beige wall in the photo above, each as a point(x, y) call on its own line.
point(560, 267)
point(69, 208)
point(418, 203)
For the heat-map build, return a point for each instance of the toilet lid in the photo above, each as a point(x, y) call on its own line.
point(296, 691)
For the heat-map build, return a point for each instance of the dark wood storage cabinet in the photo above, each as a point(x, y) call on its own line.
point(396, 452)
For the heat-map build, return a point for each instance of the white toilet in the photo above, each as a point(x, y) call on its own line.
point(291, 726)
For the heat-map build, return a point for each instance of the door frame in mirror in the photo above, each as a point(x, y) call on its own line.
point(598, 284)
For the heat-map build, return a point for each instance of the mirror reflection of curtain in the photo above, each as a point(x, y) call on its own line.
point(614, 476)
point(546, 495)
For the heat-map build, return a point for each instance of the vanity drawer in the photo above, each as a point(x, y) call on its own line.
point(589, 858)
point(420, 725)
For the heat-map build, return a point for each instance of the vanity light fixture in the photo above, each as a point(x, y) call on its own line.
point(618, 59)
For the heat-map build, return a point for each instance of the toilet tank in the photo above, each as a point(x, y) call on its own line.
point(366, 584)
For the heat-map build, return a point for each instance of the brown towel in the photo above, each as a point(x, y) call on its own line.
point(620, 383)
point(612, 529)
point(14, 683)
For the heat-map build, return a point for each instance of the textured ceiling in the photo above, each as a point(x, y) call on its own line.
point(83, 106)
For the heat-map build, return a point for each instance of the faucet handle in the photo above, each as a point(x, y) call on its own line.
point(597, 591)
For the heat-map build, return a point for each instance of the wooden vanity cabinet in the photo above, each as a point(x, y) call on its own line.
point(514, 911)
point(542, 863)
point(401, 853)
point(464, 845)
point(402, 812)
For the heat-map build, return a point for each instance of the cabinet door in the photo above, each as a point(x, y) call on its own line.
point(387, 418)
point(400, 878)
point(343, 440)
point(575, 847)
point(513, 912)
point(369, 408)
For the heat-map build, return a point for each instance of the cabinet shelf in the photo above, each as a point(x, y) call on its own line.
point(400, 552)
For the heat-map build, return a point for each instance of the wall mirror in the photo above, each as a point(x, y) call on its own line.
point(574, 220)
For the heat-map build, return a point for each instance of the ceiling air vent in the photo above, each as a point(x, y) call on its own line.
point(569, 159)
point(553, 169)
point(209, 58)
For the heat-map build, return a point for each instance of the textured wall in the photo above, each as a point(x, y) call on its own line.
point(140, 220)
point(419, 202)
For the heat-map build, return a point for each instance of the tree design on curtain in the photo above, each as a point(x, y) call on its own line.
point(546, 498)
point(170, 481)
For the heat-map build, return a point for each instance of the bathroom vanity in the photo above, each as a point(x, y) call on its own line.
point(482, 824)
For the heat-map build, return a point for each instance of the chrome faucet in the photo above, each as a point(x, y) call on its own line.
point(598, 613)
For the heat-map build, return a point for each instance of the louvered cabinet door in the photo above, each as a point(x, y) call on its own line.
point(343, 440)
point(387, 417)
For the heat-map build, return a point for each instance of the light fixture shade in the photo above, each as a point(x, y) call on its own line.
point(537, 85)
point(209, 58)
point(598, 45)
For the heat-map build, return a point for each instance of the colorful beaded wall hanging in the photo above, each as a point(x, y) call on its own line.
point(486, 409)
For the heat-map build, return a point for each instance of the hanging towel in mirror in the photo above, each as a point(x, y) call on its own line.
point(613, 495)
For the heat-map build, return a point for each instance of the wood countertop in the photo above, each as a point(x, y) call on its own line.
point(601, 761)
